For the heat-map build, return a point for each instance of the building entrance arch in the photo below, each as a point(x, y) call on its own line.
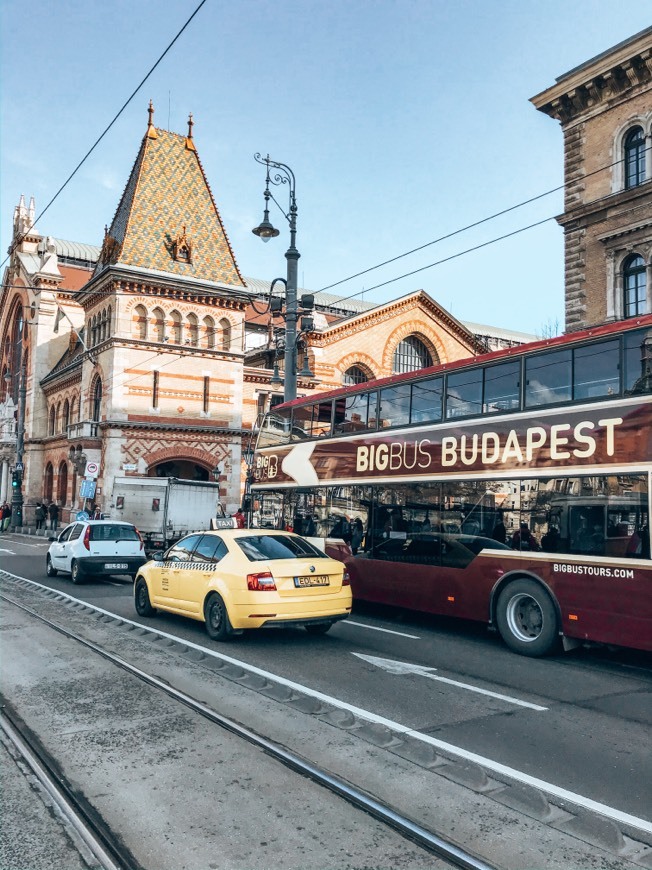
point(184, 469)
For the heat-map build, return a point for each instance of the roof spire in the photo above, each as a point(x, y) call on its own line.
point(190, 145)
point(151, 130)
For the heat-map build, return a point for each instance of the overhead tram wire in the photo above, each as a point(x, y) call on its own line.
point(169, 350)
point(106, 130)
point(467, 227)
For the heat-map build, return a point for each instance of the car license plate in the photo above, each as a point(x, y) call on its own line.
point(114, 566)
point(318, 580)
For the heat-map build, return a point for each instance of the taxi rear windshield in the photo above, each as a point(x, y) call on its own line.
point(113, 533)
point(263, 548)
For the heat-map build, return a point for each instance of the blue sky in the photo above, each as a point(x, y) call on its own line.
point(403, 120)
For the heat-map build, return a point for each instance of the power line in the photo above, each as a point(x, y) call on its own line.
point(464, 229)
point(112, 122)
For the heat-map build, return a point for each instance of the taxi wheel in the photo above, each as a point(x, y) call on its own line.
point(318, 628)
point(50, 570)
point(76, 573)
point(141, 599)
point(218, 625)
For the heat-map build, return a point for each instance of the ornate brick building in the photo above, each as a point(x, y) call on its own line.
point(605, 110)
point(147, 355)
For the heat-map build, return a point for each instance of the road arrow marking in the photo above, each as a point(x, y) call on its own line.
point(7, 551)
point(402, 668)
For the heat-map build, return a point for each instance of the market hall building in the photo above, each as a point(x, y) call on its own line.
point(147, 357)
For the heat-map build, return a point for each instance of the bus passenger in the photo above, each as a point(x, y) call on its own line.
point(551, 540)
point(500, 532)
point(523, 539)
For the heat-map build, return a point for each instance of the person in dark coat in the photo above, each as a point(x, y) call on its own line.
point(53, 513)
point(39, 515)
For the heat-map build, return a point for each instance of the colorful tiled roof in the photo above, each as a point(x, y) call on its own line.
point(167, 219)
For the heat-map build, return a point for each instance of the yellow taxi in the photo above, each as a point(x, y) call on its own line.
point(235, 579)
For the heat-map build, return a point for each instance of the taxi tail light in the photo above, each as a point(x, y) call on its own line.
point(263, 582)
point(87, 538)
point(346, 579)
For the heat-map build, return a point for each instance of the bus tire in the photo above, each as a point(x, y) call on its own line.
point(527, 619)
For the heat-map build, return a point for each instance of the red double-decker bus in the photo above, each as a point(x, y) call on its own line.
point(513, 487)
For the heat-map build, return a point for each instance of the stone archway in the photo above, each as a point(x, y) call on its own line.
point(186, 463)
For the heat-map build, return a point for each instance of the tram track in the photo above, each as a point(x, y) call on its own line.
point(99, 838)
point(446, 795)
point(100, 847)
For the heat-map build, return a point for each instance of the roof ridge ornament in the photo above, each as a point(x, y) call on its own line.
point(190, 145)
point(151, 129)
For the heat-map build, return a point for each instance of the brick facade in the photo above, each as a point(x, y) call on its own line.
point(607, 221)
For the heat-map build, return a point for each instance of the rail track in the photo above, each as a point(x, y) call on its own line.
point(107, 849)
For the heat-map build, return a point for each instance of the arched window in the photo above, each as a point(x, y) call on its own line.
point(634, 157)
point(159, 324)
point(354, 375)
point(634, 286)
point(62, 488)
point(108, 322)
point(52, 421)
point(57, 419)
point(103, 324)
point(225, 334)
point(96, 410)
point(176, 336)
point(193, 330)
point(139, 322)
point(410, 355)
point(94, 331)
point(66, 416)
point(48, 483)
point(74, 409)
point(209, 332)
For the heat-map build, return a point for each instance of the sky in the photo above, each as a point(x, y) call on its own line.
point(402, 120)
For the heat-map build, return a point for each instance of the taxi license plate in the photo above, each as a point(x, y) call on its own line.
point(114, 566)
point(315, 580)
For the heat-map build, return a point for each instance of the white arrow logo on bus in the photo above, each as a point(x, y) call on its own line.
point(298, 466)
point(394, 667)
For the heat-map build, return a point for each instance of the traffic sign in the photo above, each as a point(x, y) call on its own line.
point(82, 516)
point(19, 466)
point(87, 489)
point(92, 469)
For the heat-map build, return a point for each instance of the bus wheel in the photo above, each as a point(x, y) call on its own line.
point(527, 619)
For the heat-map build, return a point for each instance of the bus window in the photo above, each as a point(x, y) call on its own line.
point(353, 416)
point(548, 378)
point(302, 422)
point(637, 351)
point(321, 423)
point(275, 430)
point(394, 409)
point(464, 393)
point(596, 370)
point(502, 387)
point(427, 401)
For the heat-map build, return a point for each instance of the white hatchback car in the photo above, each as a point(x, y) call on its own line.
point(96, 548)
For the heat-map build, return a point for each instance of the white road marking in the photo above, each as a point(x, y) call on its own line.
point(11, 552)
point(376, 628)
point(394, 667)
point(450, 748)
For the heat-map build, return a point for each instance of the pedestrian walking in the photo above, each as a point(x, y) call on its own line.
point(6, 516)
point(39, 515)
point(53, 513)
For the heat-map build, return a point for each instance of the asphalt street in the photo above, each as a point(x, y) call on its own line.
point(579, 722)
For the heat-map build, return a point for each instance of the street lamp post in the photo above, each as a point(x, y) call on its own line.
point(266, 231)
